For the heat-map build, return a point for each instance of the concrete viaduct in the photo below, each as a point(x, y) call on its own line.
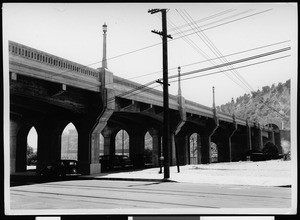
point(49, 92)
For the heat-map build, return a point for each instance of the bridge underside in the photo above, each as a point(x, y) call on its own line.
point(49, 107)
point(49, 117)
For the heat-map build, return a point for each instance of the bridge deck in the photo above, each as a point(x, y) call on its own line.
point(34, 63)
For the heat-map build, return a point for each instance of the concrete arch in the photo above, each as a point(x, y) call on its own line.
point(31, 154)
point(20, 158)
point(274, 127)
point(273, 136)
point(194, 148)
point(153, 153)
point(122, 139)
point(69, 143)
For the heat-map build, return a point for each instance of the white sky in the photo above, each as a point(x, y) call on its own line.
point(74, 31)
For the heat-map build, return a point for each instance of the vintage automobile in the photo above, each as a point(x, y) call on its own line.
point(109, 162)
point(60, 168)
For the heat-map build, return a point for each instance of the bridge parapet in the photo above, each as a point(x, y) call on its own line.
point(28, 55)
point(135, 91)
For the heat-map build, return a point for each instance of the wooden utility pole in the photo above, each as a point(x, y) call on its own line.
point(166, 123)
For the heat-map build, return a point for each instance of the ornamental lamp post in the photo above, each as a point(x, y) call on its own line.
point(104, 61)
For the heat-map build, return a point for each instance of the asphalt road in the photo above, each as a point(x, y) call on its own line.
point(106, 194)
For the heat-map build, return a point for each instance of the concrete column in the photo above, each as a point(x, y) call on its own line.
point(173, 150)
point(205, 149)
point(44, 154)
point(277, 140)
point(84, 150)
point(14, 129)
point(257, 142)
point(223, 148)
point(95, 150)
point(49, 141)
point(109, 142)
point(88, 147)
point(155, 147)
point(271, 137)
point(136, 149)
point(239, 143)
point(199, 155)
point(249, 144)
point(183, 149)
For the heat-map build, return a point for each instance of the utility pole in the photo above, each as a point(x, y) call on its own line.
point(122, 142)
point(166, 124)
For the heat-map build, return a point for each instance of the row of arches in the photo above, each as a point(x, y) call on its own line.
point(69, 146)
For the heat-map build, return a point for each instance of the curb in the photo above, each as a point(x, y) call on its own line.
point(127, 179)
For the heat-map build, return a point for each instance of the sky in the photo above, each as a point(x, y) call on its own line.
point(74, 31)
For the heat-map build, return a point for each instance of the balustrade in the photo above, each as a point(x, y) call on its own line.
point(39, 56)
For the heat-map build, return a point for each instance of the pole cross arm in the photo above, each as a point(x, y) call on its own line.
point(161, 82)
point(161, 33)
point(153, 11)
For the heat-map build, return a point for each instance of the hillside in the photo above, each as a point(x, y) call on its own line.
point(262, 105)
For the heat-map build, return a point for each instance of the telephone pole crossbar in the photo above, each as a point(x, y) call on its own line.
point(166, 124)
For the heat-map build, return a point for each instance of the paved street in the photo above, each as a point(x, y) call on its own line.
point(106, 194)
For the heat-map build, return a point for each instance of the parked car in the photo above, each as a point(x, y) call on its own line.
point(113, 161)
point(61, 168)
point(254, 155)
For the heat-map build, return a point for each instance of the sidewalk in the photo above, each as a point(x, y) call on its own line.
point(264, 173)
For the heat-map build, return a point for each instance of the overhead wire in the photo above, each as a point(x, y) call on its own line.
point(234, 71)
point(177, 29)
point(216, 58)
point(204, 19)
point(205, 41)
point(153, 45)
point(235, 61)
point(145, 87)
point(215, 50)
point(206, 69)
point(221, 71)
point(228, 22)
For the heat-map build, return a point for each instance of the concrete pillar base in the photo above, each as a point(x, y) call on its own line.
point(88, 169)
point(95, 168)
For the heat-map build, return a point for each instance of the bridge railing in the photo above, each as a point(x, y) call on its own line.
point(51, 60)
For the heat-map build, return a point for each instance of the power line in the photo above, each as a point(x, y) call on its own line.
point(212, 67)
point(226, 18)
point(204, 19)
point(215, 50)
point(205, 41)
point(203, 61)
point(237, 74)
point(228, 22)
point(153, 45)
point(239, 67)
point(143, 48)
point(144, 87)
point(235, 62)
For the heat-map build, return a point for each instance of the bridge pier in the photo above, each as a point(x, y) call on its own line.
point(249, 136)
point(277, 139)
point(88, 151)
point(182, 142)
point(14, 127)
point(49, 143)
point(223, 139)
point(239, 143)
point(257, 141)
point(271, 137)
point(109, 141)
point(136, 148)
point(17, 153)
point(156, 146)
